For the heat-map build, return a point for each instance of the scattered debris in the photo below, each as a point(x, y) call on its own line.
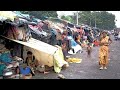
point(74, 60)
point(112, 50)
point(60, 76)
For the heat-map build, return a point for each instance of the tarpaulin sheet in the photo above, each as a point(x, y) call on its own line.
point(46, 54)
point(42, 51)
point(8, 14)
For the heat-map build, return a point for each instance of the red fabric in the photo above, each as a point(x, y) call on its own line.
point(96, 43)
point(13, 33)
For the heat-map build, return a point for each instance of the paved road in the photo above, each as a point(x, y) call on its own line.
point(89, 68)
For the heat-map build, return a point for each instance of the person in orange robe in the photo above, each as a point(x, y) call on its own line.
point(105, 41)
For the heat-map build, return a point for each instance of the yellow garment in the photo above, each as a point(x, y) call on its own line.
point(59, 60)
point(74, 60)
point(30, 62)
point(103, 52)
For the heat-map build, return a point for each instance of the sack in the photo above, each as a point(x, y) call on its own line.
point(18, 59)
point(40, 68)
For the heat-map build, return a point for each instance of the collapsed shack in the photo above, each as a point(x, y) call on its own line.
point(39, 35)
point(51, 56)
point(44, 53)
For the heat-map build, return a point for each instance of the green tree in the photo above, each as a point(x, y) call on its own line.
point(63, 17)
point(85, 17)
point(103, 19)
point(41, 14)
point(68, 18)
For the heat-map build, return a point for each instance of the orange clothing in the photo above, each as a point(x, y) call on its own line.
point(104, 51)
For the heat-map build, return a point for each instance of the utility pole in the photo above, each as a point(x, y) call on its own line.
point(77, 17)
point(90, 18)
point(90, 21)
point(95, 19)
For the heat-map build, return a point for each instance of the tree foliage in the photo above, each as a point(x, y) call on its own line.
point(100, 19)
point(41, 14)
point(103, 19)
point(68, 18)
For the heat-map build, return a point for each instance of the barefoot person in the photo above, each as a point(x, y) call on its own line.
point(105, 41)
point(31, 60)
point(89, 50)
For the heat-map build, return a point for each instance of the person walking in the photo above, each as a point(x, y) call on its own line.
point(105, 41)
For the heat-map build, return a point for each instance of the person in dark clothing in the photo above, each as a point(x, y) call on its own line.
point(90, 39)
point(89, 50)
point(64, 48)
point(86, 31)
point(116, 35)
point(75, 34)
point(53, 40)
point(31, 60)
point(78, 39)
point(59, 37)
point(70, 32)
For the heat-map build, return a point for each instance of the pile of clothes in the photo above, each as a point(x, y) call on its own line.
point(14, 31)
point(13, 67)
point(8, 64)
point(54, 33)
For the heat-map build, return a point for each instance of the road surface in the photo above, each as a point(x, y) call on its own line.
point(89, 68)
